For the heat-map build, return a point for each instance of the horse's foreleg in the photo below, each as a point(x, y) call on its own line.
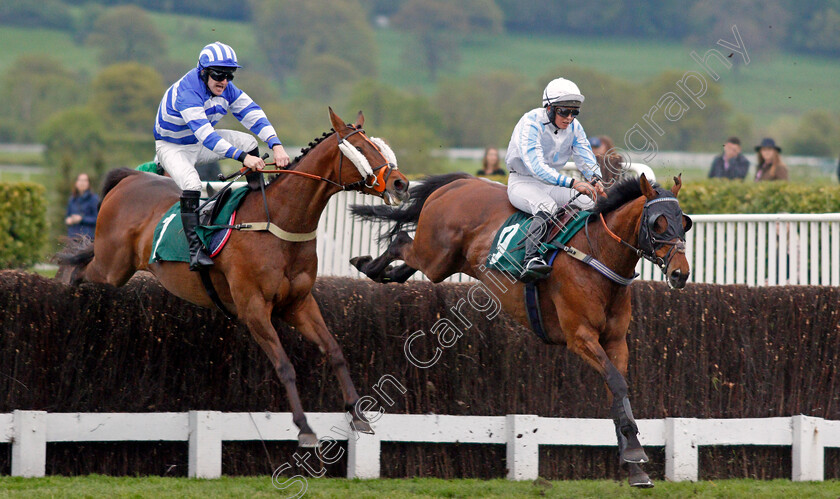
point(377, 268)
point(587, 346)
point(256, 313)
point(306, 317)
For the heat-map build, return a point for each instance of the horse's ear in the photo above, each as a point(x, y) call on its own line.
point(677, 184)
point(337, 123)
point(647, 190)
point(360, 120)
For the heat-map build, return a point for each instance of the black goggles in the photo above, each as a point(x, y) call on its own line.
point(566, 111)
point(220, 75)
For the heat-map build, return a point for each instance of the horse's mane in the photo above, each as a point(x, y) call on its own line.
point(309, 147)
point(619, 194)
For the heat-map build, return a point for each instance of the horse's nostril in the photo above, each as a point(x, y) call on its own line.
point(400, 186)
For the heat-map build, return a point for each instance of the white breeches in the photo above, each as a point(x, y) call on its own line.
point(531, 195)
point(180, 161)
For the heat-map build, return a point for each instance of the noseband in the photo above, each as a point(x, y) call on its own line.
point(649, 241)
point(362, 165)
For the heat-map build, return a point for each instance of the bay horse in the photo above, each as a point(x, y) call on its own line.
point(456, 218)
point(257, 273)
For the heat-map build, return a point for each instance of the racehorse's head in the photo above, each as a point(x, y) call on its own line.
point(662, 231)
point(375, 164)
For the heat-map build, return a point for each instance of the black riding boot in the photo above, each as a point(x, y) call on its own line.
point(189, 218)
point(535, 267)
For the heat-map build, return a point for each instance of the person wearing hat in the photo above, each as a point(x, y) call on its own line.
point(731, 164)
point(541, 143)
point(770, 164)
point(185, 135)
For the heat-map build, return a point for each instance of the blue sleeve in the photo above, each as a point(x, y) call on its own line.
point(191, 107)
point(582, 152)
point(531, 152)
point(252, 117)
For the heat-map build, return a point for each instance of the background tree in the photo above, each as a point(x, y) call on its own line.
point(35, 87)
point(289, 30)
point(763, 24)
point(439, 26)
point(482, 110)
point(697, 129)
point(126, 97)
point(816, 134)
point(407, 122)
point(41, 14)
point(822, 32)
point(324, 76)
point(126, 33)
point(75, 143)
point(611, 106)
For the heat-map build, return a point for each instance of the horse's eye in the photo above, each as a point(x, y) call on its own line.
point(660, 225)
point(358, 148)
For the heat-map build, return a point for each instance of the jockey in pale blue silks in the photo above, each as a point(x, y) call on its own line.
point(541, 143)
point(185, 137)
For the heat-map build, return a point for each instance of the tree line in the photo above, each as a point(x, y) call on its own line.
point(812, 27)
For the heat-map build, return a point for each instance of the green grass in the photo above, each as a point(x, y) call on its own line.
point(99, 486)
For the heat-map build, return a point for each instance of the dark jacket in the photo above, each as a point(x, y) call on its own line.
point(86, 205)
point(738, 167)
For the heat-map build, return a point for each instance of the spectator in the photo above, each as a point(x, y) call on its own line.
point(769, 161)
point(82, 209)
point(730, 164)
point(490, 163)
point(601, 144)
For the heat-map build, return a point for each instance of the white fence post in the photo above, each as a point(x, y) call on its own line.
point(363, 455)
point(681, 456)
point(29, 448)
point(808, 450)
point(205, 460)
point(523, 449)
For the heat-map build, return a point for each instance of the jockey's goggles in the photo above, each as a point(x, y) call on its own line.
point(566, 111)
point(220, 75)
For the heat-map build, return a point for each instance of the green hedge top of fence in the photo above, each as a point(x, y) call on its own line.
point(726, 196)
point(734, 196)
point(23, 223)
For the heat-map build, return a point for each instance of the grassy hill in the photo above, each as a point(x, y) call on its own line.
point(774, 86)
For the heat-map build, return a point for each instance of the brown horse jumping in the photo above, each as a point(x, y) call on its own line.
point(257, 273)
point(456, 218)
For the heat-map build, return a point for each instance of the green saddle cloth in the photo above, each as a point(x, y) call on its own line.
point(508, 251)
point(170, 244)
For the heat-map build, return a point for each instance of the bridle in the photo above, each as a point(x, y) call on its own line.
point(379, 179)
point(649, 243)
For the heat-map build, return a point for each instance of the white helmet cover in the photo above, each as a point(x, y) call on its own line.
point(560, 90)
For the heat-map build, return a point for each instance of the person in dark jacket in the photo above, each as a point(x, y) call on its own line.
point(730, 164)
point(82, 209)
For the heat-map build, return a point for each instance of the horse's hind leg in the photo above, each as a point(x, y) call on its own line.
point(306, 317)
point(378, 269)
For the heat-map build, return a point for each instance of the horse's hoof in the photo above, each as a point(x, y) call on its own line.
point(360, 261)
point(640, 480)
point(361, 426)
point(307, 440)
point(637, 456)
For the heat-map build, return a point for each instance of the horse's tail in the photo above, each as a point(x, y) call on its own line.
point(114, 177)
point(405, 216)
point(73, 258)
